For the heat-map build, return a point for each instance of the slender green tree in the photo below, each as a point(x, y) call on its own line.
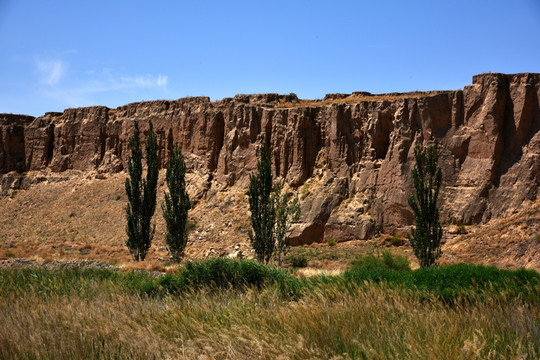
point(176, 206)
point(287, 211)
point(261, 205)
point(272, 212)
point(141, 194)
point(426, 237)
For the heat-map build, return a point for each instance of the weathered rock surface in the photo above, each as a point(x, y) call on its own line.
point(12, 147)
point(355, 151)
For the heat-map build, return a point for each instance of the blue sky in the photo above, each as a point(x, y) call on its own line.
point(60, 54)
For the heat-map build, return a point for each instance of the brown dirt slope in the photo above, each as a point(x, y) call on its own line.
point(75, 216)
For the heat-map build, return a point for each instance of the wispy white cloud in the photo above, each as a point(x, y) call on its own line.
point(144, 81)
point(88, 86)
point(162, 80)
point(106, 80)
point(51, 72)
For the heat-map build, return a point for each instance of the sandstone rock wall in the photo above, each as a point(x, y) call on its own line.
point(350, 154)
point(12, 146)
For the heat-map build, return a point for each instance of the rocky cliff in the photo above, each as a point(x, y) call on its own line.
point(349, 156)
point(12, 149)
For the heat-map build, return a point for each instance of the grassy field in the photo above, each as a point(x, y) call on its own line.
point(225, 309)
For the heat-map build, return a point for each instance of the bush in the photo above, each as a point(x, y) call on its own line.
point(305, 191)
point(331, 242)
point(465, 281)
point(298, 261)
point(396, 240)
point(226, 273)
point(379, 274)
point(191, 226)
point(386, 261)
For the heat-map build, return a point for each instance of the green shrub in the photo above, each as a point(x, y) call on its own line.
point(397, 240)
point(226, 273)
point(465, 281)
point(331, 242)
point(298, 261)
point(379, 274)
point(191, 225)
point(304, 192)
point(386, 261)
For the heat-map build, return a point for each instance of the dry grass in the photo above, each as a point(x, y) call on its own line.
point(356, 98)
point(83, 218)
point(372, 323)
point(509, 242)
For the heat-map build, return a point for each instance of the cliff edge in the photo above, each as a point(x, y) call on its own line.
point(349, 156)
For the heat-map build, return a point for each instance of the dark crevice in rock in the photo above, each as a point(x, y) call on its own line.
point(219, 124)
point(381, 136)
point(49, 144)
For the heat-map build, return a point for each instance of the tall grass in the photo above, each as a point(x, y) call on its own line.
point(85, 282)
point(449, 283)
point(108, 314)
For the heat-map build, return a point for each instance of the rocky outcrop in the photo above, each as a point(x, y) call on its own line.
point(12, 146)
point(354, 151)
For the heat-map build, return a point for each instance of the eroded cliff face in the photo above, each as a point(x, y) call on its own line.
point(349, 156)
point(12, 146)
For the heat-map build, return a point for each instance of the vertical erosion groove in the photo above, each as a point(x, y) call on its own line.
point(311, 142)
point(49, 144)
point(219, 138)
point(458, 109)
point(381, 138)
point(170, 147)
point(102, 145)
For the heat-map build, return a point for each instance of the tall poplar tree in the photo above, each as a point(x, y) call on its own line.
point(426, 237)
point(176, 205)
point(272, 211)
point(287, 211)
point(261, 205)
point(141, 194)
